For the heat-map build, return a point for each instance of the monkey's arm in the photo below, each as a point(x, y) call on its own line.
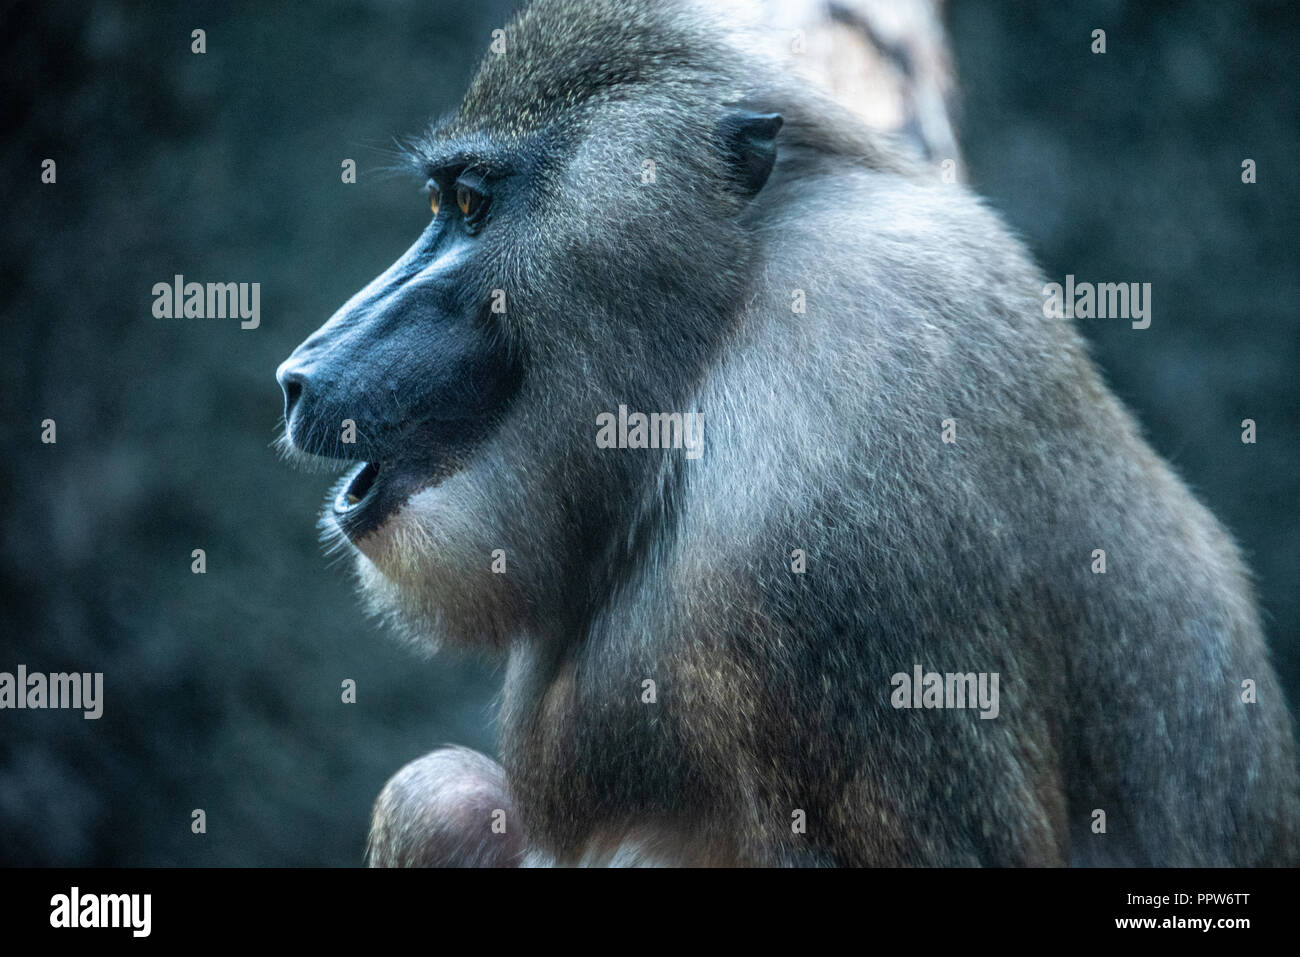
point(449, 808)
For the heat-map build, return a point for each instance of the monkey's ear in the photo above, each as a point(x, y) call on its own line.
point(749, 139)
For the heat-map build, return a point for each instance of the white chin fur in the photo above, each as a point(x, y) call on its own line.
point(427, 569)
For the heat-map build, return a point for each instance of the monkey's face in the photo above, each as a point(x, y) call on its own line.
point(411, 373)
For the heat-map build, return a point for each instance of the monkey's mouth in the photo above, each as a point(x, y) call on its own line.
point(367, 495)
point(370, 493)
point(359, 486)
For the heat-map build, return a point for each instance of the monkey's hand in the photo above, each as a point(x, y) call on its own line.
point(449, 808)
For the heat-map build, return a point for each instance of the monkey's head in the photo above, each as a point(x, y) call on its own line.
point(588, 247)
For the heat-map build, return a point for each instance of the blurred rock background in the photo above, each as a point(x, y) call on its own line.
point(222, 690)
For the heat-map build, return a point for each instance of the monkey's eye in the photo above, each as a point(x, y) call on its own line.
point(433, 202)
point(471, 198)
point(470, 202)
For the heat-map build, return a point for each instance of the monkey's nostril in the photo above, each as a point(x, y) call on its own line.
point(291, 383)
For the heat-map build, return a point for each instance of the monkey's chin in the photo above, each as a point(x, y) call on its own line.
point(424, 570)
